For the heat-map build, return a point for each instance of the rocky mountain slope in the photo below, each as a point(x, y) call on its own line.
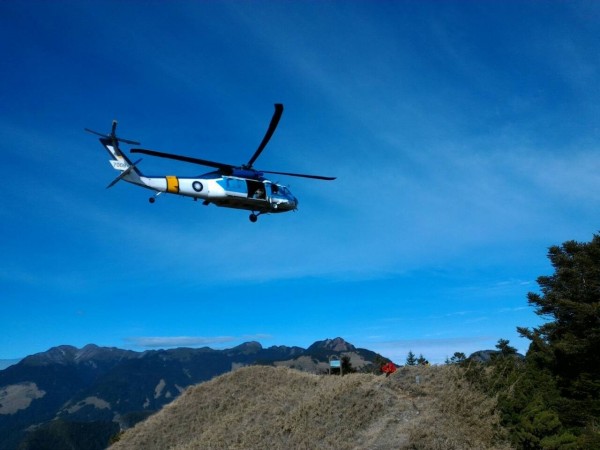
point(267, 407)
point(50, 396)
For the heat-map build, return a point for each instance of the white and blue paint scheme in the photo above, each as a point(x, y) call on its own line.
point(240, 187)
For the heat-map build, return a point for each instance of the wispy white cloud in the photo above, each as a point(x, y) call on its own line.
point(188, 341)
point(440, 141)
point(516, 309)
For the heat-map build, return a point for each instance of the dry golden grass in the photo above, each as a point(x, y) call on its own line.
point(266, 407)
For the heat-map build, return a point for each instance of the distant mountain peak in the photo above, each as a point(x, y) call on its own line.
point(67, 354)
point(248, 348)
point(63, 354)
point(335, 345)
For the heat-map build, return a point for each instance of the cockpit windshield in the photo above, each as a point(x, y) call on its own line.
point(280, 191)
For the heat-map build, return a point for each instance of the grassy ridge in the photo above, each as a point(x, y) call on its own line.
point(267, 407)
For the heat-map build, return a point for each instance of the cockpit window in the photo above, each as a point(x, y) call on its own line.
point(279, 190)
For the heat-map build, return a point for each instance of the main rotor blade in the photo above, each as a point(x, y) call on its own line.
point(274, 121)
point(202, 162)
point(110, 136)
point(95, 132)
point(127, 141)
point(302, 175)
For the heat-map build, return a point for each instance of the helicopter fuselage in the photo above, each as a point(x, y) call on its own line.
point(261, 196)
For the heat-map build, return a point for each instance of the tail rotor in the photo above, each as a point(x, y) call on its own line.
point(113, 135)
point(124, 174)
point(118, 160)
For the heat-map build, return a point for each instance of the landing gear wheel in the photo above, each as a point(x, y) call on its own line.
point(253, 217)
point(151, 199)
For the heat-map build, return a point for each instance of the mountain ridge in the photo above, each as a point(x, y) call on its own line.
point(116, 388)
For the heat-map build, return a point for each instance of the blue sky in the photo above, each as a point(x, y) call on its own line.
point(464, 136)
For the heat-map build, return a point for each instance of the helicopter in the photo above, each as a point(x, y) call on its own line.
point(229, 186)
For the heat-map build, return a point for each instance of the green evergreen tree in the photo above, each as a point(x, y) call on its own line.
point(457, 358)
point(347, 365)
point(505, 348)
point(565, 348)
point(411, 359)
